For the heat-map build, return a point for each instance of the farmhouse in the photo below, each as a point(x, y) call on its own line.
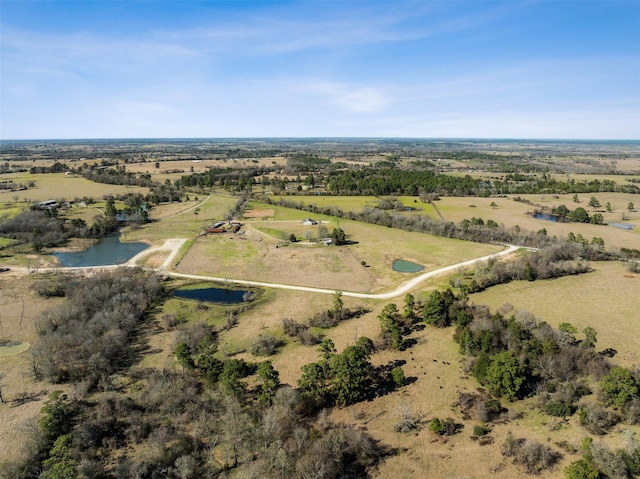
point(309, 222)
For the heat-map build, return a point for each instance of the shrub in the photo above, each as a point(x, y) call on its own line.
point(559, 408)
point(300, 332)
point(448, 427)
point(437, 426)
point(619, 387)
point(397, 374)
point(480, 430)
point(531, 455)
point(52, 287)
point(581, 469)
point(596, 419)
point(265, 345)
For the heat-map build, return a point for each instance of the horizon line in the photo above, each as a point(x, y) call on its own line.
point(272, 138)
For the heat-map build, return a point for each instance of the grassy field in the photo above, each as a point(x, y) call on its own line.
point(19, 309)
point(179, 220)
point(511, 213)
point(606, 300)
point(261, 253)
point(59, 186)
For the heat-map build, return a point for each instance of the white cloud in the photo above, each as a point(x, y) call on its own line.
point(358, 99)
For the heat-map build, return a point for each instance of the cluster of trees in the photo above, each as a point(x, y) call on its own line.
point(599, 461)
point(579, 215)
point(117, 176)
point(215, 416)
point(517, 356)
point(347, 377)
point(88, 337)
point(553, 262)
point(304, 162)
point(186, 430)
point(41, 228)
point(56, 167)
point(395, 325)
point(231, 179)
point(331, 317)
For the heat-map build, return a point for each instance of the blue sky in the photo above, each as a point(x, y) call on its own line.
point(459, 69)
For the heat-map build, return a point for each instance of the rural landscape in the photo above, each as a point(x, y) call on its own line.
point(321, 308)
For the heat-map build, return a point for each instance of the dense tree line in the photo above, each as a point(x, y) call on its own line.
point(117, 176)
point(236, 179)
point(554, 261)
point(398, 181)
point(471, 230)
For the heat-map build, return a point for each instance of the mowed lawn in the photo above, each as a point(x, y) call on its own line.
point(607, 300)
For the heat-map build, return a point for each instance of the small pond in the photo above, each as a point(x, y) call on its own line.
point(107, 251)
point(546, 217)
point(623, 226)
point(213, 295)
point(403, 266)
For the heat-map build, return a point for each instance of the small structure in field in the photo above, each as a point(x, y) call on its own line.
point(47, 205)
point(309, 222)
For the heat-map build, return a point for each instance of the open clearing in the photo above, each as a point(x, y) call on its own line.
point(510, 213)
point(54, 186)
point(19, 309)
point(607, 299)
point(261, 254)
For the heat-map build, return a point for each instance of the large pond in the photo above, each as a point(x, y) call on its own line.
point(546, 217)
point(404, 266)
point(213, 295)
point(107, 251)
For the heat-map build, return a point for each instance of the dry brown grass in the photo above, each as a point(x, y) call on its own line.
point(511, 213)
point(263, 213)
point(19, 308)
point(606, 299)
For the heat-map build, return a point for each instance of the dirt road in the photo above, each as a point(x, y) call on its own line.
point(173, 246)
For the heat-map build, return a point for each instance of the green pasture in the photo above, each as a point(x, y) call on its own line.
point(9, 210)
point(58, 186)
point(180, 220)
point(357, 203)
point(4, 242)
point(345, 203)
point(379, 246)
point(382, 241)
